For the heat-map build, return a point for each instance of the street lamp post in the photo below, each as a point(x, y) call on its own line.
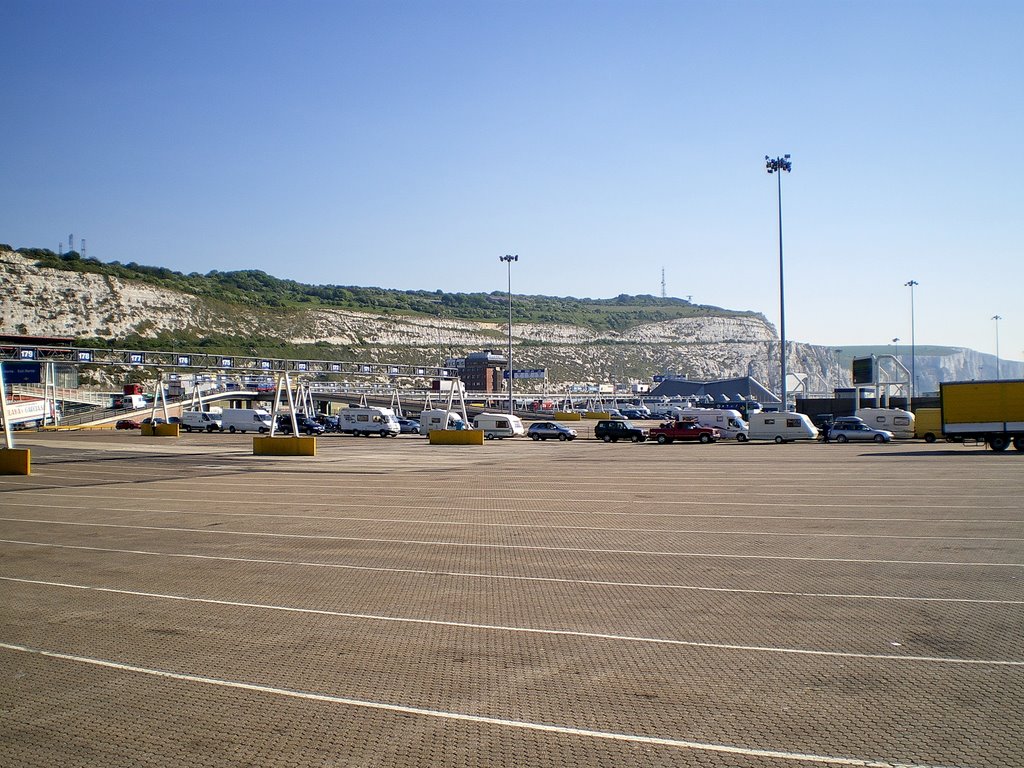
point(997, 318)
point(777, 166)
point(913, 346)
point(508, 260)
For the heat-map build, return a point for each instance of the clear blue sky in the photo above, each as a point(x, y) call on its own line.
point(410, 144)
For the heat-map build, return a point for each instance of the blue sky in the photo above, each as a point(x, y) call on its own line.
point(410, 144)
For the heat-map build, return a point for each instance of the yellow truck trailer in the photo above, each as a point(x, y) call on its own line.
point(992, 411)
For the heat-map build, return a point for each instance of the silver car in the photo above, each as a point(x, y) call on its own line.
point(845, 431)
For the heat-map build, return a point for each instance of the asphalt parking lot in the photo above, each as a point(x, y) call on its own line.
point(180, 602)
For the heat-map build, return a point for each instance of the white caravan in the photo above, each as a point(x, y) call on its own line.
point(728, 422)
point(895, 420)
point(499, 425)
point(366, 421)
point(781, 426)
point(210, 421)
point(438, 418)
point(245, 420)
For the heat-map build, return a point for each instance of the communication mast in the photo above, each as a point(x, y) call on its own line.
point(663, 282)
point(83, 248)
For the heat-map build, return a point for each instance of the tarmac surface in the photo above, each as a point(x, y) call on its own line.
point(181, 602)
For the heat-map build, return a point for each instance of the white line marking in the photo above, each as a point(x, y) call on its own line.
point(500, 577)
point(534, 548)
point(525, 630)
point(968, 503)
point(463, 717)
point(544, 526)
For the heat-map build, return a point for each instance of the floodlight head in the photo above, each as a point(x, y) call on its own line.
point(911, 283)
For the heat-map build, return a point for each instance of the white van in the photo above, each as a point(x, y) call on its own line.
point(781, 426)
point(438, 418)
point(729, 423)
point(369, 421)
point(895, 420)
point(499, 425)
point(209, 421)
point(245, 420)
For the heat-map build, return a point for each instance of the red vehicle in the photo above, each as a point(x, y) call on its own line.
point(687, 429)
point(127, 424)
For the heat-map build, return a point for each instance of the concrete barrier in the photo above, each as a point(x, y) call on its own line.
point(456, 437)
point(160, 430)
point(283, 446)
point(567, 416)
point(15, 461)
point(596, 415)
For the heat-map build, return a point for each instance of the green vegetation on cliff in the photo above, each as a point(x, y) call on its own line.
point(258, 289)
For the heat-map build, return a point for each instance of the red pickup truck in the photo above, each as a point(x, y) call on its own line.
point(671, 431)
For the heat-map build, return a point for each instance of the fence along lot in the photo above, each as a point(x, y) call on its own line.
point(185, 603)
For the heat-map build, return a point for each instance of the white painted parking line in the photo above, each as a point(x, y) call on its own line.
point(542, 526)
point(888, 657)
point(527, 547)
point(501, 577)
point(420, 507)
point(271, 497)
point(561, 730)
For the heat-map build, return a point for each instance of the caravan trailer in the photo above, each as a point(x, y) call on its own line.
point(499, 425)
point(781, 426)
point(729, 423)
point(895, 420)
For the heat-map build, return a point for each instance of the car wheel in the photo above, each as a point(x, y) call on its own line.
point(535, 437)
point(741, 438)
point(662, 439)
point(705, 438)
point(879, 438)
point(635, 439)
point(231, 430)
point(563, 438)
point(415, 430)
point(188, 428)
point(842, 439)
point(262, 430)
point(607, 438)
point(780, 439)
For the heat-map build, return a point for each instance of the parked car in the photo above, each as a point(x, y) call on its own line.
point(550, 430)
point(127, 424)
point(151, 420)
point(409, 426)
point(306, 424)
point(684, 430)
point(846, 429)
point(613, 431)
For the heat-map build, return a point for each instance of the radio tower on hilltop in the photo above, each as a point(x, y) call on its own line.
point(663, 283)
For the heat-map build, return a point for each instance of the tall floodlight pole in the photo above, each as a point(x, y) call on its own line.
point(913, 346)
point(997, 318)
point(777, 166)
point(508, 260)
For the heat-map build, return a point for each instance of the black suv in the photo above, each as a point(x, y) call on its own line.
point(613, 431)
point(306, 424)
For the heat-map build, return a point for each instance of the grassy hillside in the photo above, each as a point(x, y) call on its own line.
point(258, 289)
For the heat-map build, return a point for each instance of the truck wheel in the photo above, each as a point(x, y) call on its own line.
point(842, 439)
point(998, 442)
point(188, 428)
point(383, 433)
point(705, 438)
point(607, 438)
point(1018, 443)
point(929, 438)
point(231, 429)
point(780, 439)
point(741, 438)
point(662, 439)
